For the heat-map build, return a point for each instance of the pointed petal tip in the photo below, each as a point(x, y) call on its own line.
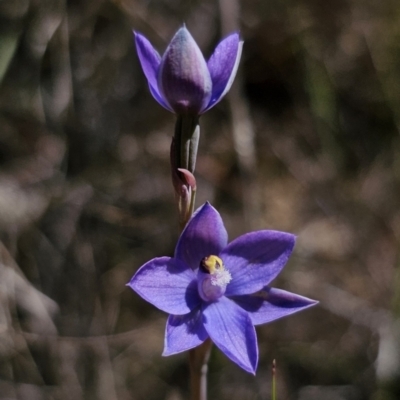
point(207, 208)
point(170, 352)
point(183, 31)
point(240, 41)
point(252, 371)
point(138, 35)
point(167, 353)
point(208, 205)
point(183, 28)
point(248, 367)
point(232, 331)
point(223, 65)
point(234, 34)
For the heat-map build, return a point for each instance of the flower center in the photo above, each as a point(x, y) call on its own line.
point(212, 278)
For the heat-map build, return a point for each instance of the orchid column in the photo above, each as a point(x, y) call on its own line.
point(185, 84)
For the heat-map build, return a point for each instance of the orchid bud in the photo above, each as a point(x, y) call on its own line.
point(183, 77)
point(182, 81)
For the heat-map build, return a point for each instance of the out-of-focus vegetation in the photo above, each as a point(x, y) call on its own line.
point(307, 142)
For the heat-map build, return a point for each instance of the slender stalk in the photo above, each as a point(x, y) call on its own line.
point(192, 203)
point(187, 135)
point(198, 361)
point(273, 397)
point(183, 159)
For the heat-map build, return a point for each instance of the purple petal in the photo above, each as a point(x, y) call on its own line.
point(223, 65)
point(159, 99)
point(204, 235)
point(149, 59)
point(183, 78)
point(270, 304)
point(184, 332)
point(168, 284)
point(231, 329)
point(255, 259)
point(150, 62)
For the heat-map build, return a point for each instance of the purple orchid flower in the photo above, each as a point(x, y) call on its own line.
point(219, 290)
point(182, 81)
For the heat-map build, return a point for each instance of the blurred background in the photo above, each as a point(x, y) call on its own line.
point(307, 142)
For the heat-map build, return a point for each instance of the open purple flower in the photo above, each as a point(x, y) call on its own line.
point(182, 81)
point(219, 290)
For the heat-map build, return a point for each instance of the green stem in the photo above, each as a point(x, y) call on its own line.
point(183, 156)
point(187, 135)
point(186, 210)
point(192, 203)
point(273, 397)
